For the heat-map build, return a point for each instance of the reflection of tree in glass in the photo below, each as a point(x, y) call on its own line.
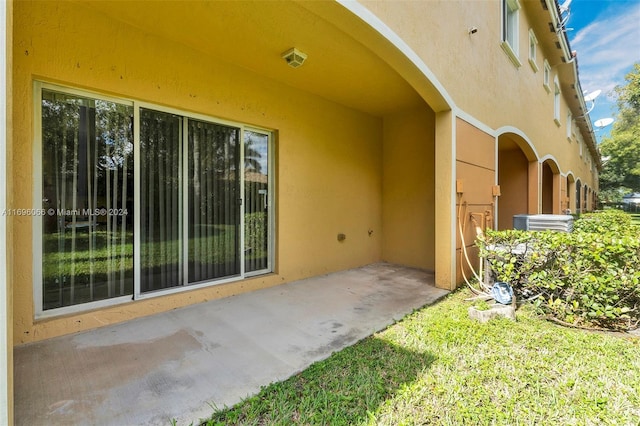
point(87, 163)
point(114, 132)
point(214, 159)
point(256, 188)
point(252, 157)
point(161, 219)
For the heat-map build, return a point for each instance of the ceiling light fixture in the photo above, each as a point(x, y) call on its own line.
point(294, 57)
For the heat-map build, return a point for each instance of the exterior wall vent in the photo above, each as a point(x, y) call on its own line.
point(543, 222)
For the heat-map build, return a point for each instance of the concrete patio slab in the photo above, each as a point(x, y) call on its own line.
point(180, 364)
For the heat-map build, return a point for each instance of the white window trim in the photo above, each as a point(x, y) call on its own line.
point(580, 142)
point(569, 125)
point(557, 96)
point(511, 54)
point(512, 51)
point(546, 79)
point(533, 50)
point(137, 294)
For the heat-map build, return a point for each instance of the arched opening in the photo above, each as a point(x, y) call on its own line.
point(410, 235)
point(547, 189)
point(578, 196)
point(570, 194)
point(585, 198)
point(587, 203)
point(550, 187)
point(517, 177)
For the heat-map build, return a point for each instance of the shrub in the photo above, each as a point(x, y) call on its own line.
point(615, 221)
point(590, 277)
point(255, 231)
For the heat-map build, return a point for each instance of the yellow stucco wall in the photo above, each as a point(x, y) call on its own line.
point(339, 169)
point(475, 176)
point(6, 288)
point(408, 211)
point(479, 75)
point(445, 220)
point(329, 157)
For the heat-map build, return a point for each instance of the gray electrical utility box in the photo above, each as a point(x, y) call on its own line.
point(543, 222)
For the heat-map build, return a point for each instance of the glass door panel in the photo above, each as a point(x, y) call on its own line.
point(214, 201)
point(161, 253)
point(87, 178)
point(256, 196)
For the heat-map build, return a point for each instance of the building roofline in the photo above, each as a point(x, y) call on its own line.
point(553, 7)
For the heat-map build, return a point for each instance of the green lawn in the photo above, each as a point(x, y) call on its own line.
point(438, 367)
point(80, 267)
point(635, 218)
point(101, 252)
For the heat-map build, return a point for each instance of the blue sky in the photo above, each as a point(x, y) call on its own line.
point(606, 35)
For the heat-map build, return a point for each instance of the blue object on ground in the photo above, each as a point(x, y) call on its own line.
point(502, 292)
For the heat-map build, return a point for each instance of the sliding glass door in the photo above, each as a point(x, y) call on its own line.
point(87, 205)
point(194, 208)
point(256, 196)
point(161, 217)
point(214, 201)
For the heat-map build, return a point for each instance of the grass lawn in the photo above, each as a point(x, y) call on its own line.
point(438, 367)
point(635, 218)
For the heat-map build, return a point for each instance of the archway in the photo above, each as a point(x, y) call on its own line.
point(547, 189)
point(550, 187)
point(585, 198)
point(517, 177)
point(578, 196)
point(570, 194)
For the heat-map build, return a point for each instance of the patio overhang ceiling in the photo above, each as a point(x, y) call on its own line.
point(253, 35)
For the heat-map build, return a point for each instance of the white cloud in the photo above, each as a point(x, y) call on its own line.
point(608, 47)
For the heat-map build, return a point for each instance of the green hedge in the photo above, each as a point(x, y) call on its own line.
point(590, 277)
point(613, 221)
point(255, 232)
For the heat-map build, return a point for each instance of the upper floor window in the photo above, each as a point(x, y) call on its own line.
point(569, 125)
point(510, 23)
point(580, 142)
point(533, 50)
point(546, 76)
point(556, 101)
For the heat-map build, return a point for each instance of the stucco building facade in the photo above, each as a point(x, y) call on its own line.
point(160, 154)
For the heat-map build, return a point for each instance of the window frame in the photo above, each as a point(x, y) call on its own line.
point(37, 226)
point(557, 95)
point(580, 143)
point(533, 50)
point(546, 76)
point(510, 30)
